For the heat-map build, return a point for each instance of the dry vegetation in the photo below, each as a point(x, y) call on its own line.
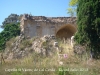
point(35, 64)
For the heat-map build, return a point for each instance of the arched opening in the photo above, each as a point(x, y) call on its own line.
point(66, 31)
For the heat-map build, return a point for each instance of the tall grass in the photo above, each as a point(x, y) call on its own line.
point(35, 64)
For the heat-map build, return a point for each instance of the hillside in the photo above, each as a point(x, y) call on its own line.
point(46, 56)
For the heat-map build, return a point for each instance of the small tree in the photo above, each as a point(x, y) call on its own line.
point(73, 5)
point(10, 30)
point(71, 12)
point(12, 18)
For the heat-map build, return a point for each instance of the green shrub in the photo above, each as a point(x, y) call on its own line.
point(27, 43)
point(10, 30)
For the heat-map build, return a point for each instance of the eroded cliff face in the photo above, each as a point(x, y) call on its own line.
point(40, 25)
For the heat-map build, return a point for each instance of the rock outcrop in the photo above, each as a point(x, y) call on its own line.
point(22, 47)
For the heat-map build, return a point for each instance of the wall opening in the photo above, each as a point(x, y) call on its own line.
point(66, 31)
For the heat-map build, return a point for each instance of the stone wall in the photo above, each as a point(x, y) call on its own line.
point(40, 25)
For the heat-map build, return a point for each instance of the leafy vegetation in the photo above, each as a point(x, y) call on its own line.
point(12, 18)
point(73, 7)
point(88, 20)
point(10, 30)
point(73, 2)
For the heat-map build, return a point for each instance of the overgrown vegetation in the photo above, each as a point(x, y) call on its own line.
point(35, 64)
point(88, 20)
point(10, 31)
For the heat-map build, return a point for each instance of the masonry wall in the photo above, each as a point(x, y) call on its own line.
point(40, 26)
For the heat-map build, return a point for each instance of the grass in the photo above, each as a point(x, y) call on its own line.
point(35, 64)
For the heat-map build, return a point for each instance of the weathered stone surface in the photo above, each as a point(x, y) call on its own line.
point(41, 26)
point(78, 49)
point(10, 56)
point(56, 44)
point(45, 46)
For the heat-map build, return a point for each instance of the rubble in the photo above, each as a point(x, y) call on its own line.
point(45, 46)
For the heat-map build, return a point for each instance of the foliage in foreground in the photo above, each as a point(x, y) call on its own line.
point(88, 20)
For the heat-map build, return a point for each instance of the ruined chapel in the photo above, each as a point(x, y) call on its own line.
point(40, 25)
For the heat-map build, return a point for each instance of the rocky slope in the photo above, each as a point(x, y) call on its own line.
point(20, 47)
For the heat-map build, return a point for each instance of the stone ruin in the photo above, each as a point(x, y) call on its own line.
point(40, 26)
point(63, 27)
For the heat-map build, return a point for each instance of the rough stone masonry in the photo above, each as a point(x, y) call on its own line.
point(63, 27)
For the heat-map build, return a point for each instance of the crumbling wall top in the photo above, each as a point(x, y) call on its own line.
point(50, 19)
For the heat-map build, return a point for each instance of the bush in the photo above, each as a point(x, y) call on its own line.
point(10, 30)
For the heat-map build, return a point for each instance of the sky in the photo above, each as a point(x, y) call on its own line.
point(48, 8)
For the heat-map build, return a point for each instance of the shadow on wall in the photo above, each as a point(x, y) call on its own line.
point(66, 31)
